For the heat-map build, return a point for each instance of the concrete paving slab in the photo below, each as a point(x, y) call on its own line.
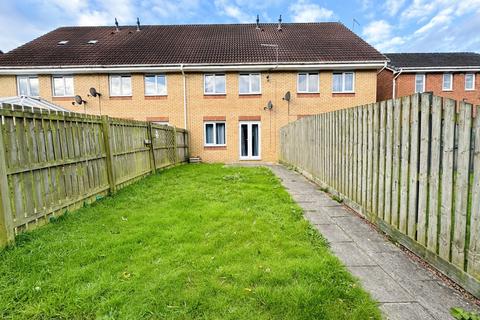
point(318, 217)
point(399, 266)
point(382, 287)
point(332, 233)
point(405, 311)
point(351, 255)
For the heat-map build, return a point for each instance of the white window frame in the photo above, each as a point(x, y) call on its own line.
point(156, 84)
point(250, 83)
point(308, 80)
point(343, 73)
point(423, 82)
point(214, 86)
point(214, 144)
point(121, 93)
point(473, 82)
point(55, 94)
point(249, 124)
point(29, 93)
point(451, 82)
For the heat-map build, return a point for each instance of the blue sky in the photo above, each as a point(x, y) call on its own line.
point(391, 25)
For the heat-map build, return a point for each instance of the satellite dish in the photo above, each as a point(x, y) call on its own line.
point(269, 105)
point(94, 92)
point(78, 99)
point(287, 96)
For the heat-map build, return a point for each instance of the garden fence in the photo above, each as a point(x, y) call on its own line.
point(51, 162)
point(410, 165)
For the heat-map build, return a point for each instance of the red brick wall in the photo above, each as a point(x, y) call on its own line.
point(433, 83)
point(384, 85)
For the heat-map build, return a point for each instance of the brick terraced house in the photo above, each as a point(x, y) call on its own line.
point(452, 75)
point(227, 84)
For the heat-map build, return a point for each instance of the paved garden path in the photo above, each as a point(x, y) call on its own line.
point(404, 288)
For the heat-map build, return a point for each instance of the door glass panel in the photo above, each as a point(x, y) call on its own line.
point(244, 140)
point(255, 140)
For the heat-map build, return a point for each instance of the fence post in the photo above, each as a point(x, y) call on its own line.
point(109, 153)
point(153, 165)
point(175, 145)
point(6, 220)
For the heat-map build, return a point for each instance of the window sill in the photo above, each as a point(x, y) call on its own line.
point(343, 94)
point(447, 90)
point(62, 98)
point(215, 147)
point(159, 97)
point(120, 97)
point(308, 94)
point(249, 95)
point(215, 96)
point(469, 90)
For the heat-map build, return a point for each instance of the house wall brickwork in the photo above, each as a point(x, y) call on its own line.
point(405, 85)
point(232, 107)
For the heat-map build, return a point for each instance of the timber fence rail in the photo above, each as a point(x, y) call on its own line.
point(410, 165)
point(51, 162)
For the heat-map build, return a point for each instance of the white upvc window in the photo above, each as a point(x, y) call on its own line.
point(447, 83)
point(249, 83)
point(343, 82)
point(214, 133)
point(470, 81)
point(63, 86)
point(308, 82)
point(156, 85)
point(28, 86)
point(120, 85)
point(419, 82)
point(214, 84)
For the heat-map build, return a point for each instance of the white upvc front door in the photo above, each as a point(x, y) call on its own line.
point(250, 140)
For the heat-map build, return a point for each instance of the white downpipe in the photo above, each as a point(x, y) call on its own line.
point(394, 91)
point(184, 98)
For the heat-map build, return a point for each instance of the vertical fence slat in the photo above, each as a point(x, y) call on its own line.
point(446, 206)
point(413, 183)
point(375, 170)
point(474, 246)
point(404, 169)
point(388, 163)
point(370, 160)
point(364, 157)
point(434, 180)
point(397, 110)
point(423, 168)
point(382, 157)
point(461, 185)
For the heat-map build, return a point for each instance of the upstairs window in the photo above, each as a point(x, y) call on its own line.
point(214, 133)
point(63, 86)
point(120, 86)
point(419, 83)
point(28, 86)
point(343, 82)
point(308, 82)
point(469, 81)
point(447, 82)
point(155, 85)
point(249, 83)
point(214, 84)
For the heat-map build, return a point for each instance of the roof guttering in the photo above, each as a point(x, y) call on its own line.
point(439, 69)
point(331, 65)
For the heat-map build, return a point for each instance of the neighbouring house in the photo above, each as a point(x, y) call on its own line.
point(233, 86)
point(452, 75)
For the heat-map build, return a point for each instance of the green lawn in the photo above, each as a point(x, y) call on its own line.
point(193, 242)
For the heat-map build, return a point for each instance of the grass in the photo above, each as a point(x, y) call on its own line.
point(193, 242)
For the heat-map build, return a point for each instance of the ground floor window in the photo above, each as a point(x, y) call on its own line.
point(215, 133)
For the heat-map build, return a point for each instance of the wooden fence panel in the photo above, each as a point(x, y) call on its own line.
point(54, 162)
point(397, 163)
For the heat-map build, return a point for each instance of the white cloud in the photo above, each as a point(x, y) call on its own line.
point(438, 23)
point(303, 11)
point(380, 34)
point(232, 10)
point(393, 6)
